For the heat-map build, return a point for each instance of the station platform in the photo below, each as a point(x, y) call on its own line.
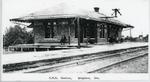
point(43, 55)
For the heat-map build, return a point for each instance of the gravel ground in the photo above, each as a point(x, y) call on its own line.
point(139, 65)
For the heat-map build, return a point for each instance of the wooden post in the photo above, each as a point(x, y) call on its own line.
point(21, 49)
point(78, 27)
point(34, 49)
point(130, 33)
point(69, 35)
point(9, 49)
point(106, 32)
point(98, 35)
point(119, 33)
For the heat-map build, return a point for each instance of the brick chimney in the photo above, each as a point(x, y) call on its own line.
point(96, 9)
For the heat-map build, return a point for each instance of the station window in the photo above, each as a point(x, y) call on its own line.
point(85, 32)
point(102, 33)
point(76, 32)
point(49, 30)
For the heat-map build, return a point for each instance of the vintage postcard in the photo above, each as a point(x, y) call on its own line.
point(46, 40)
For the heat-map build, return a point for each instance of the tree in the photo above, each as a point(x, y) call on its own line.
point(17, 35)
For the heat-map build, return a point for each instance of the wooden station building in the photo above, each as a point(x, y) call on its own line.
point(78, 26)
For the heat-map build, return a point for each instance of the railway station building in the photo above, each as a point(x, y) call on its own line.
point(77, 26)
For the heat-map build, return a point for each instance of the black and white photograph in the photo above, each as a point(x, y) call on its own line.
point(75, 37)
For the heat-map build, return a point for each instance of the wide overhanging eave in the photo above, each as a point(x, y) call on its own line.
point(29, 20)
point(20, 20)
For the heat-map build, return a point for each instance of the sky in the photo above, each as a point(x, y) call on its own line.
point(134, 12)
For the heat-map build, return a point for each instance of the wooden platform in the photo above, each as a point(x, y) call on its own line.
point(43, 47)
point(43, 55)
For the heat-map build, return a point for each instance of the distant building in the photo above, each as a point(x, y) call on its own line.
point(78, 26)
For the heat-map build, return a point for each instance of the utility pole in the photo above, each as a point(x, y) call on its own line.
point(116, 11)
point(114, 14)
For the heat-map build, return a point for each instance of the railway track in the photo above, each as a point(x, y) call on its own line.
point(105, 68)
point(85, 62)
point(57, 64)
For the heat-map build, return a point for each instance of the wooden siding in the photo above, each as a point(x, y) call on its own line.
point(88, 29)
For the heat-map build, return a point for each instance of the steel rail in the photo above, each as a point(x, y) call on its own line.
point(80, 62)
point(116, 63)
